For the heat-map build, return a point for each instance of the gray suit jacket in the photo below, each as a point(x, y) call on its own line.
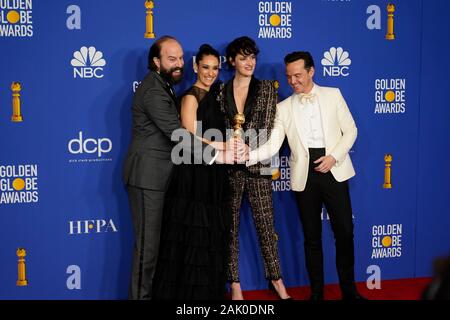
point(148, 163)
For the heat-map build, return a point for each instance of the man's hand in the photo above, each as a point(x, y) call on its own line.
point(241, 151)
point(226, 156)
point(232, 143)
point(326, 163)
point(218, 145)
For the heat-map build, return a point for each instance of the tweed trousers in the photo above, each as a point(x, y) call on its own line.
point(259, 191)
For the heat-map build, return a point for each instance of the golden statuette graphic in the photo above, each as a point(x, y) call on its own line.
point(276, 173)
point(390, 22)
point(149, 5)
point(21, 281)
point(387, 171)
point(17, 116)
point(239, 120)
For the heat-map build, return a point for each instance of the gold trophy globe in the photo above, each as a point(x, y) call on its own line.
point(239, 120)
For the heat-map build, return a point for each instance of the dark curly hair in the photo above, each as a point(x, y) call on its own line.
point(243, 45)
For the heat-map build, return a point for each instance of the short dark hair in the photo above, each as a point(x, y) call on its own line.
point(243, 45)
point(300, 55)
point(206, 50)
point(155, 51)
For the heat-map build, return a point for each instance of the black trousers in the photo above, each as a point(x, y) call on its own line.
point(146, 209)
point(322, 188)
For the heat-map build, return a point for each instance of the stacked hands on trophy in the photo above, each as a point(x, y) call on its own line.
point(239, 149)
point(236, 151)
point(233, 151)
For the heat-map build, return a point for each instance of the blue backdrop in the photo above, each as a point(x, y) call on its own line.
point(61, 195)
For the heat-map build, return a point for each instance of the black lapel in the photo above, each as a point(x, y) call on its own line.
point(230, 103)
point(251, 96)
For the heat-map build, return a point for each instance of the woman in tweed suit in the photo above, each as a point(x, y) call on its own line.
point(257, 100)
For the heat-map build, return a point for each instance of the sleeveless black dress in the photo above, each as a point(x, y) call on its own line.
point(194, 246)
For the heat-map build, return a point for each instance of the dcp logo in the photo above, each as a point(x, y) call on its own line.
point(80, 145)
point(88, 63)
point(336, 62)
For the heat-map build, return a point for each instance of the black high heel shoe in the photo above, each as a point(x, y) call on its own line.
point(272, 288)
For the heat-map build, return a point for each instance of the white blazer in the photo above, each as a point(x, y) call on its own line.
point(339, 133)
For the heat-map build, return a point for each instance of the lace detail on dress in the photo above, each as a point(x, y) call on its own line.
point(197, 92)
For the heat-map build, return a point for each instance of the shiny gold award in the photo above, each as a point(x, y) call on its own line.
point(239, 120)
point(390, 22)
point(149, 34)
point(387, 171)
point(17, 115)
point(21, 275)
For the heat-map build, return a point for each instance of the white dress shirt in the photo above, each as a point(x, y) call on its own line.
point(312, 122)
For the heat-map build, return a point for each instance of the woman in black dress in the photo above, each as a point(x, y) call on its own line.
point(194, 247)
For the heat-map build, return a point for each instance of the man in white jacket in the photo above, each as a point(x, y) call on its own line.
point(320, 131)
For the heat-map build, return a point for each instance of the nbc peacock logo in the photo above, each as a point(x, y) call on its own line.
point(336, 62)
point(88, 63)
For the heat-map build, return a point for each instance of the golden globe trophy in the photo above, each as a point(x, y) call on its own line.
point(17, 116)
point(239, 120)
point(390, 22)
point(21, 276)
point(387, 171)
point(149, 34)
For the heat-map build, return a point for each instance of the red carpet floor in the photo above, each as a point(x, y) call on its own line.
point(404, 289)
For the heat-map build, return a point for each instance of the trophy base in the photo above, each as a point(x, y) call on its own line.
point(21, 283)
point(387, 186)
point(390, 36)
point(16, 119)
point(149, 35)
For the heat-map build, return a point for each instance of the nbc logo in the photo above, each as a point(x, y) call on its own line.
point(88, 63)
point(387, 241)
point(336, 62)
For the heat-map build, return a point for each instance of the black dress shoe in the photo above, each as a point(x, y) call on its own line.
point(316, 297)
point(272, 288)
point(354, 296)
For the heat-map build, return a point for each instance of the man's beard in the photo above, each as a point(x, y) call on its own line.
point(168, 75)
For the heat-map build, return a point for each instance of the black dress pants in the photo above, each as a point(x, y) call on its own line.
point(322, 188)
point(146, 209)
